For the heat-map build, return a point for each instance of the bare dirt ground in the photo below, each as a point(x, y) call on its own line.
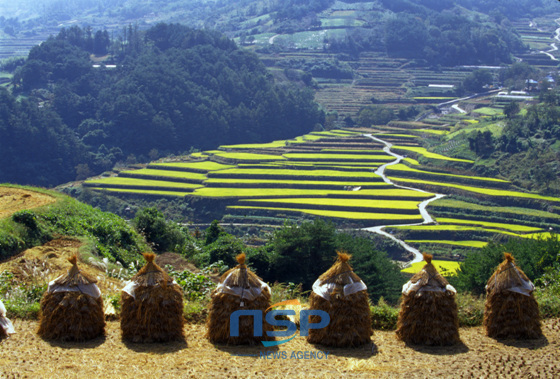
point(15, 199)
point(26, 355)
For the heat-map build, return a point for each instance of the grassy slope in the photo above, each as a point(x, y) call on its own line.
point(111, 235)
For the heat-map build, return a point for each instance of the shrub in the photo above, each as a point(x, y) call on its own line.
point(471, 309)
point(384, 316)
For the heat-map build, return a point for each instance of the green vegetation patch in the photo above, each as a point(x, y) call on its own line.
point(450, 203)
point(512, 227)
point(112, 236)
point(353, 151)
point(199, 155)
point(143, 192)
point(476, 244)
point(431, 131)
point(339, 157)
point(433, 98)
point(422, 151)
point(338, 202)
point(135, 182)
point(487, 111)
point(323, 174)
point(165, 173)
point(248, 156)
point(396, 135)
point(306, 138)
point(260, 192)
point(338, 214)
point(391, 192)
point(402, 167)
point(446, 268)
point(203, 166)
point(273, 144)
point(281, 182)
point(484, 191)
point(453, 228)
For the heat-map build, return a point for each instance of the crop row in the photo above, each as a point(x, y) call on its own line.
point(339, 204)
point(428, 154)
point(474, 244)
point(371, 218)
point(406, 171)
point(482, 191)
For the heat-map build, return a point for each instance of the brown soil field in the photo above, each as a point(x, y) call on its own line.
point(15, 199)
point(24, 354)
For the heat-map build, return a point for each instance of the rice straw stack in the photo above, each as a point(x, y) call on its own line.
point(72, 307)
point(428, 312)
point(152, 306)
point(511, 310)
point(239, 289)
point(342, 294)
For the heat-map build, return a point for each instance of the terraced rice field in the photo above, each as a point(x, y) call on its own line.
point(332, 175)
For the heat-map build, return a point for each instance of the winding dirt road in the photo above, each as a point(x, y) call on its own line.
point(421, 207)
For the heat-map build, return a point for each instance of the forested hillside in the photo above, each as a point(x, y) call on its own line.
point(172, 89)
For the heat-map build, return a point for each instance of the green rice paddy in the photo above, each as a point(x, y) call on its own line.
point(166, 173)
point(487, 111)
point(431, 131)
point(281, 183)
point(270, 145)
point(248, 156)
point(339, 214)
point(475, 244)
point(428, 154)
point(339, 157)
point(143, 192)
point(337, 202)
point(512, 227)
point(449, 203)
point(484, 191)
point(405, 168)
point(446, 268)
point(203, 166)
point(288, 173)
point(454, 228)
point(116, 181)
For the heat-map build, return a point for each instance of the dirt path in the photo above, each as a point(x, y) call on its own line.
point(26, 355)
point(15, 199)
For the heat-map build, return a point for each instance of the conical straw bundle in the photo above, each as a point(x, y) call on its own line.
point(72, 307)
point(511, 310)
point(152, 306)
point(239, 289)
point(428, 312)
point(342, 294)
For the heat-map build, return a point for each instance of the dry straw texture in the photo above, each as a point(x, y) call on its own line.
point(428, 315)
point(224, 304)
point(155, 313)
point(350, 316)
point(71, 315)
point(510, 314)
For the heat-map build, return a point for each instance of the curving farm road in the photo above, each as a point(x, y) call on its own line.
point(422, 206)
point(553, 46)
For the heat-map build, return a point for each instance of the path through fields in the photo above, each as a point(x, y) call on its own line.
point(553, 46)
point(422, 206)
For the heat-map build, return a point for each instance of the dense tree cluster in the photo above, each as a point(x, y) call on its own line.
point(526, 150)
point(301, 253)
point(534, 256)
point(449, 39)
point(174, 88)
